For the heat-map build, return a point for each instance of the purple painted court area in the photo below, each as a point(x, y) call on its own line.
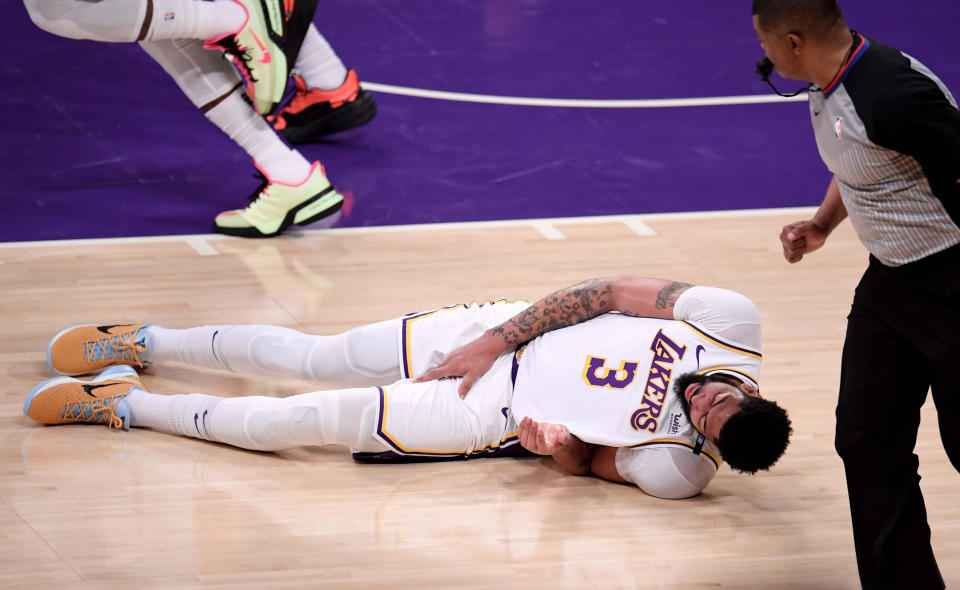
point(99, 142)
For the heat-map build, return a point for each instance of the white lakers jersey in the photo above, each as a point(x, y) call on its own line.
point(610, 380)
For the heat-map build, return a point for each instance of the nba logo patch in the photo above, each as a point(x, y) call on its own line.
point(169, 15)
point(838, 128)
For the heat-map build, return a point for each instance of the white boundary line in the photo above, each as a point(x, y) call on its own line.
point(651, 103)
point(202, 247)
point(639, 227)
point(630, 220)
point(548, 230)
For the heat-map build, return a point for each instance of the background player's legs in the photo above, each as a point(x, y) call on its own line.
point(343, 417)
point(318, 64)
point(300, 192)
point(363, 356)
point(328, 98)
point(211, 84)
point(124, 21)
point(882, 387)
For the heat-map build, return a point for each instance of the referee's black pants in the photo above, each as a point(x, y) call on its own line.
point(903, 338)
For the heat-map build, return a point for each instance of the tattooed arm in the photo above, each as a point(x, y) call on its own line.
point(635, 296)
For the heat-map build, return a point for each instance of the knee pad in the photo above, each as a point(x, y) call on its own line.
point(49, 14)
point(279, 353)
point(117, 21)
point(346, 417)
point(374, 350)
point(273, 427)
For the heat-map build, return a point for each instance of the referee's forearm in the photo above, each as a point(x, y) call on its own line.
point(831, 211)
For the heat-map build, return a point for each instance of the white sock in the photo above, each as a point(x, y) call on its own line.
point(317, 63)
point(367, 355)
point(346, 417)
point(195, 19)
point(194, 346)
point(243, 125)
point(286, 166)
point(186, 415)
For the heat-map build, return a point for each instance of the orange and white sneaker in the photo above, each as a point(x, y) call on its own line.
point(65, 400)
point(86, 348)
point(312, 114)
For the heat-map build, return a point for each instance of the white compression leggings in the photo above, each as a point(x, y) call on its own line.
point(201, 74)
point(362, 356)
point(345, 417)
point(368, 355)
point(118, 21)
point(123, 21)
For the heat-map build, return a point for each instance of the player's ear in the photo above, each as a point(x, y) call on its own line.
point(796, 42)
point(751, 390)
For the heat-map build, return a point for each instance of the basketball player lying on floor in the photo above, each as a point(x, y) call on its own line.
point(562, 377)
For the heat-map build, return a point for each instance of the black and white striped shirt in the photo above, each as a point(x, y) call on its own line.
point(889, 130)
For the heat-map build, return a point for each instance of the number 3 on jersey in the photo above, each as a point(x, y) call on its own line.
point(598, 375)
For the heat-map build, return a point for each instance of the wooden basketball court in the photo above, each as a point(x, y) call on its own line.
point(85, 507)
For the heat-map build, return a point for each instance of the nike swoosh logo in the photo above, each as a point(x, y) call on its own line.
point(88, 389)
point(700, 349)
point(266, 52)
point(197, 421)
point(106, 329)
point(213, 346)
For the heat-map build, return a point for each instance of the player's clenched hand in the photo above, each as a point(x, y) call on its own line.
point(542, 438)
point(471, 361)
point(801, 237)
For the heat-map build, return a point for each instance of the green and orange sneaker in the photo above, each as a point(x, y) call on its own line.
point(275, 206)
point(257, 52)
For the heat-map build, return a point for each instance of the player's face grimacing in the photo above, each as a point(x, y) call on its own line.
point(710, 402)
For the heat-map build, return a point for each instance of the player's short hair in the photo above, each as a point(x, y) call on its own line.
point(756, 436)
point(811, 18)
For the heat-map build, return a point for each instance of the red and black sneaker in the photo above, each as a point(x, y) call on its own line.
point(315, 113)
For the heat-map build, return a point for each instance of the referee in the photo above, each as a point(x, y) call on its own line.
point(889, 131)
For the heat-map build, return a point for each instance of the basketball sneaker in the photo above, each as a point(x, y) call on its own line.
point(65, 400)
point(312, 114)
point(275, 206)
point(87, 348)
point(257, 51)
